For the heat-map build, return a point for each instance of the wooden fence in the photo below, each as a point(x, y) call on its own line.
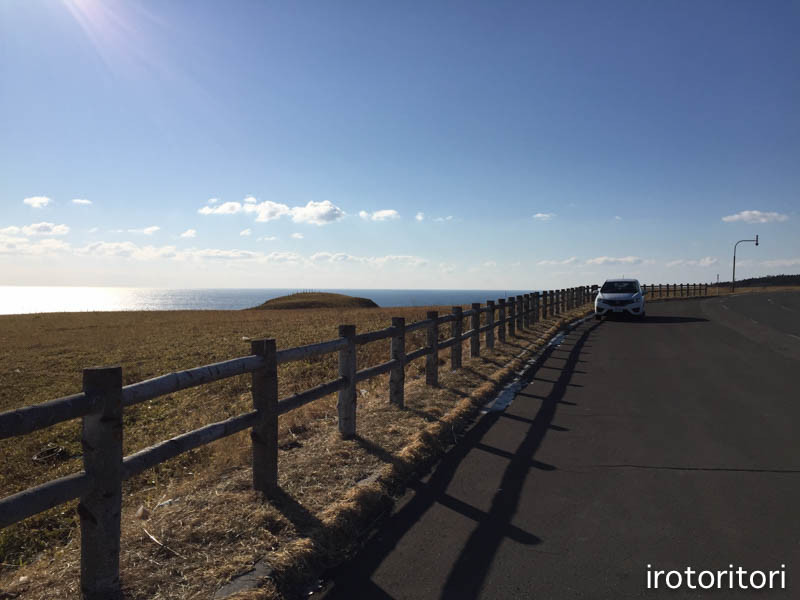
point(675, 290)
point(101, 404)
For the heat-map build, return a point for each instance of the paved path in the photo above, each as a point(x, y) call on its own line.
point(673, 442)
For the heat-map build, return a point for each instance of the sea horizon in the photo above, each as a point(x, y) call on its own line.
point(64, 298)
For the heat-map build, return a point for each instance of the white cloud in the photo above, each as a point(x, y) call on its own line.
point(610, 260)
point(283, 257)
point(337, 257)
point(544, 216)
point(36, 229)
point(317, 213)
point(37, 201)
point(132, 251)
point(297, 236)
point(120, 249)
point(567, 261)
point(81, 201)
point(267, 210)
point(618, 218)
point(146, 230)
point(443, 219)
point(420, 216)
point(189, 233)
point(216, 253)
point(246, 232)
point(447, 268)
point(755, 216)
point(94, 230)
point(706, 261)
point(23, 246)
point(226, 208)
point(375, 261)
point(267, 238)
point(394, 259)
point(489, 264)
point(781, 263)
point(212, 201)
point(380, 215)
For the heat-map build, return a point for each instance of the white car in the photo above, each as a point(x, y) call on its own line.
point(620, 296)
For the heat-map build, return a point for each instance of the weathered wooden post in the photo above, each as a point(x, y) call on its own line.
point(511, 304)
point(397, 351)
point(432, 359)
point(264, 434)
point(490, 323)
point(544, 304)
point(531, 308)
point(501, 319)
point(475, 325)
point(536, 301)
point(520, 313)
point(347, 396)
point(455, 331)
point(528, 309)
point(100, 509)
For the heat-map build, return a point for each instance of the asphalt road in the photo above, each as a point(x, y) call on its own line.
point(673, 442)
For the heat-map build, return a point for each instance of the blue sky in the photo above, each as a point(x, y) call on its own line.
point(401, 145)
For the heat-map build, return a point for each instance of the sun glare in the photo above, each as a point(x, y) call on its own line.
point(117, 30)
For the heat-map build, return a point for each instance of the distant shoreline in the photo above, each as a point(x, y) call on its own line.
point(42, 299)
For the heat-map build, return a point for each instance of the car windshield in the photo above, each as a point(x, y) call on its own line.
point(619, 287)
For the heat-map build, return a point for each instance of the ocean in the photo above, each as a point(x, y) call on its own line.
point(25, 300)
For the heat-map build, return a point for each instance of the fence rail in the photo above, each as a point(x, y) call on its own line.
point(103, 399)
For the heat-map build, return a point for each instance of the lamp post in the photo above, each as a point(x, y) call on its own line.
point(733, 277)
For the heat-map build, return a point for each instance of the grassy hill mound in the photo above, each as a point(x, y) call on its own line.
point(316, 300)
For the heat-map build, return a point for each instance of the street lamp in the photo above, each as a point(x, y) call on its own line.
point(733, 278)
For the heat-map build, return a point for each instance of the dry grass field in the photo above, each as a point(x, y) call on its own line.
point(43, 356)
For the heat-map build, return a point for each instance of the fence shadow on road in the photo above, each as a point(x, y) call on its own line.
point(469, 571)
